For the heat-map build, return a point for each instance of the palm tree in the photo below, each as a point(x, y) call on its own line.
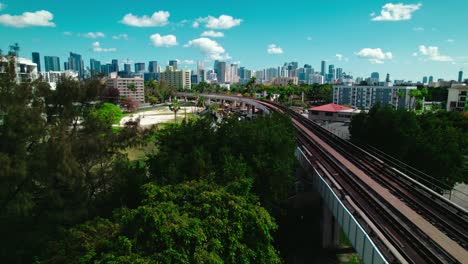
point(201, 102)
point(175, 107)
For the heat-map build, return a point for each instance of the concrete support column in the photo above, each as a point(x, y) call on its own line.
point(330, 229)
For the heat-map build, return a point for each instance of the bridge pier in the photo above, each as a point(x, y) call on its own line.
point(330, 228)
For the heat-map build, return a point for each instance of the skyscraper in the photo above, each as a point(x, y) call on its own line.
point(331, 73)
point(324, 66)
point(36, 58)
point(424, 79)
point(431, 79)
point(339, 73)
point(460, 75)
point(115, 65)
point(127, 68)
point(52, 63)
point(173, 63)
point(66, 66)
point(75, 63)
point(153, 66)
point(94, 67)
point(221, 71)
point(139, 67)
point(388, 78)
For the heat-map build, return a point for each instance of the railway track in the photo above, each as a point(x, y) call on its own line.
point(415, 245)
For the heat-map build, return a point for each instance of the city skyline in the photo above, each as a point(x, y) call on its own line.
point(360, 39)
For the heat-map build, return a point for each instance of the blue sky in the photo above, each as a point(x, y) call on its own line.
point(406, 39)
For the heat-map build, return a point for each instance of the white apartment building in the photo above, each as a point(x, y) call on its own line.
point(457, 98)
point(53, 77)
point(364, 97)
point(128, 87)
point(178, 79)
point(26, 70)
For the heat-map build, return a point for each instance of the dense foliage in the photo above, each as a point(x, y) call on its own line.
point(68, 192)
point(192, 222)
point(292, 94)
point(434, 142)
point(259, 153)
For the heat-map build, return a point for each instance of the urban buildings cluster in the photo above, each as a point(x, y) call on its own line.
point(357, 92)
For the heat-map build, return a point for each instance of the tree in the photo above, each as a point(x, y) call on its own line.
point(107, 114)
point(130, 104)
point(111, 95)
point(193, 222)
point(175, 107)
point(132, 87)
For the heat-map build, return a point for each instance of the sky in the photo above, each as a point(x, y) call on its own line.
point(407, 39)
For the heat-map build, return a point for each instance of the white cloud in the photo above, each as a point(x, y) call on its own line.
point(273, 49)
point(375, 56)
point(450, 40)
point(186, 62)
point(67, 33)
point(164, 41)
point(309, 38)
point(97, 48)
point(396, 12)
point(158, 19)
point(121, 36)
point(339, 56)
point(223, 22)
point(418, 29)
point(213, 34)
point(210, 48)
point(2, 6)
point(432, 53)
point(92, 35)
point(28, 19)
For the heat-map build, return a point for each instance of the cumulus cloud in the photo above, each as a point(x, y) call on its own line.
point(222, 22)
point(213, 34)
point(375, 56)
point(121, 36)
point(396, 12)
point(186, 62)
point(40, 18)
point(97, 48)
point(210, 48)
point(164, 41)
point(158, 19)
point(339, 56)
point(418, 29)
point(92, 35)
point(432, 53)
point(273, 49)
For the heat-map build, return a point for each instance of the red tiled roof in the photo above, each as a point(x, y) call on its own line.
point(330, 108)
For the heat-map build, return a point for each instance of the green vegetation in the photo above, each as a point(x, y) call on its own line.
point(174, 107)
point(158, 91)
point(291, 94)
point(434, 142)
point(205, 193)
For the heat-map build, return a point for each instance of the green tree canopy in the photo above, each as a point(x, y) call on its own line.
point(193, 222)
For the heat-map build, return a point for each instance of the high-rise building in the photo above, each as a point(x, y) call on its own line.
point(106, 69)
point(36, 58)
point(233, 72)
point(220, 71)
point(424, 80)
point(115, 65)
point(127, 68)
point(331, 73)
point(52, 63)
point(66, 66)
point(387, 79)
point(94, 67)
point(200, 65)
point(324, 66)
point(173, 63)
point(75, 63)
point(178, 79)
point(431, 79)
point(460, 75)
point(139, 67)
point(339, 73)
point(374, 78)
point(153, 67)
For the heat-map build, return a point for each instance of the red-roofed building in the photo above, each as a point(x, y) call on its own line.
point(332, 113)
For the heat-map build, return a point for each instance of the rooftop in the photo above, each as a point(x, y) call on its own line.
point(334, 108)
